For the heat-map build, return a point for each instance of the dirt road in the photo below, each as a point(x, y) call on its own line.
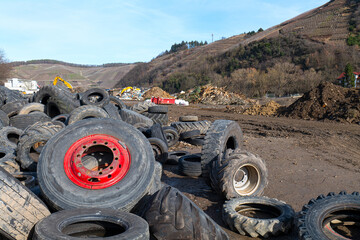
point(304, 159)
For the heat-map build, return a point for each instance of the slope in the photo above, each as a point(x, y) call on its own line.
point(325, 27)
point(78, 76)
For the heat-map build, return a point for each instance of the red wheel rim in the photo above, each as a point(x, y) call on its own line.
point(97, 161)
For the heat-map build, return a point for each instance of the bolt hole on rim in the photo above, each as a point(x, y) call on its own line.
point(97, 161)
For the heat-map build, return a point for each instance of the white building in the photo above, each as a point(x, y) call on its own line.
point(22, 85)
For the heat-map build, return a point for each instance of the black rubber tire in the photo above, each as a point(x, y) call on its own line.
point(181, 127)
point(133, 118)
point(161, 118)
point(156, 131)
point(61, 193)
point(86, 112)
point(189, 134)
point(92, 223)
point(142, 107)
point(322, 210)
point(4, 119)
point(160, 149)
point(240, 164)
point(2, 98)
point(158, 109)
point(112, 111)
point(28, 180)
point(190, 165)
point(52, 109)
point(8, 95)
point(44, 93)
point(7, 159)
point(221, 136)
point(23, 121)
point(32, 141)
point(61, 118)
point(196, 141)
point(57, 105)
point(156, 185)
point(171, 215)
point(96, 97)
point(9, 136)
point(12, 108)
point(279, 216)
point(32, 107)
point(188, 118)
point(171, 135)
point(173, 157)
point(21, 208)
point(117, 102)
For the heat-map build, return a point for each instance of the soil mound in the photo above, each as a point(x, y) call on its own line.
point(156, 92)
point(327, 102)
point(268, 109)
point(213, 95)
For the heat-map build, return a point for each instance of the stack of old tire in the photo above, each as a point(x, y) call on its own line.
point(76, 165)
point(237, 175)
point(157, 113)
point(191, 130)
point(240, 177)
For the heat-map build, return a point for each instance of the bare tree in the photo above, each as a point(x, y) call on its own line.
point(5, 68)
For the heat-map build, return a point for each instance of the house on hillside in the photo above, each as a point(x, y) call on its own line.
point(341, 79)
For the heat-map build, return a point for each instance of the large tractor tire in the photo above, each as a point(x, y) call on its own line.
point(221, 137)
point(258, 216)
point(96, 163)
point(242, 174)
point(335, 216)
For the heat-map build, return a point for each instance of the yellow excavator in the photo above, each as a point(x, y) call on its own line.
point(129, 88)
point(57, 78)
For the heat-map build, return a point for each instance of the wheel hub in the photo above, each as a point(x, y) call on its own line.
point(97, 161)
point(246, 180)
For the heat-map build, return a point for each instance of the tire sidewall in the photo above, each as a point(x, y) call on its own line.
point(317, 212)
point(135, 227)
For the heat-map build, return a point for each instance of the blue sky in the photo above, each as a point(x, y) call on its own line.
point(108, 31)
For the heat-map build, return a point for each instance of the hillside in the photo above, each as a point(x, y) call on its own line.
point(78, 75)
point(312, 44)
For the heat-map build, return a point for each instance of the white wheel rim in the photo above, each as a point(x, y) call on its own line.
point(246, 180)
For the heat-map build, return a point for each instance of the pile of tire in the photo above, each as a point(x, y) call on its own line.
point(85, 162)
point(157, 113)
point(191, 130)
point(241, 177)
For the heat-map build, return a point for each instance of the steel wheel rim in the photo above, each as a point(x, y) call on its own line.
point(112, 157)
point(246, 180)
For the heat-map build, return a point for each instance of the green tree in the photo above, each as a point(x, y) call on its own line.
point(349, 76)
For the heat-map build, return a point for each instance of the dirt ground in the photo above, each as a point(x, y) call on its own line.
point(304, 159)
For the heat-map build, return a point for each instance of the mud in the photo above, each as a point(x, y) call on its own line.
point(327, 102)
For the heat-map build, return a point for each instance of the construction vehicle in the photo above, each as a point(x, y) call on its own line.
point(128, 89)
point(57, 78)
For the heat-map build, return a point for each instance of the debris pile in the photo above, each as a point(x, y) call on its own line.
point(213, 95)
point(327, 102)
point(269, 109)
point(156, 92)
